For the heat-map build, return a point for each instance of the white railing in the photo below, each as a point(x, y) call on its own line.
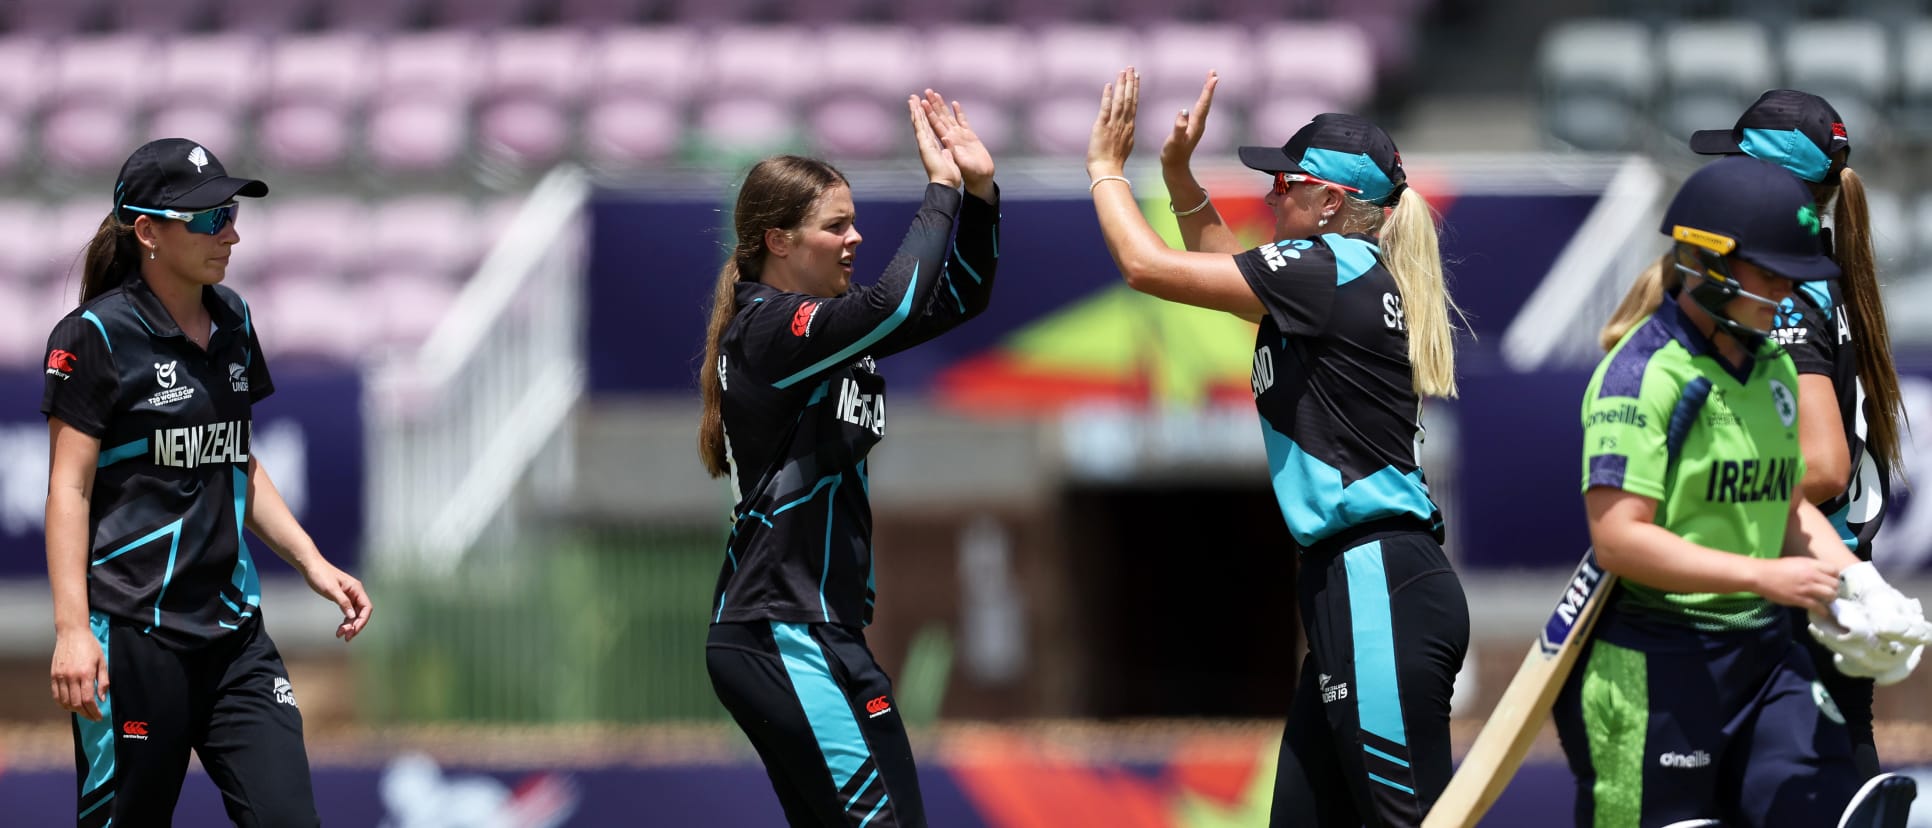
point(485, 404)
point(1558, 324)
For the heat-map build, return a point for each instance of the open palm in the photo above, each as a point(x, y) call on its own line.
point(956, 133)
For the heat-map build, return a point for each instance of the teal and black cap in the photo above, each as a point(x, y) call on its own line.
point(1795, 130)
point(1756, 211)
point(1345, 149)
point(177, 174)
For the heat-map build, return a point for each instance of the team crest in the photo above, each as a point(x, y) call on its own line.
point(1786, 402)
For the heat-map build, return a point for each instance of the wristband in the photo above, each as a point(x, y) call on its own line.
point(1197, 208)
point(1120, 178)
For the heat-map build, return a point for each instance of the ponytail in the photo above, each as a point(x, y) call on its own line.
point(1871, 341)
point(1412, 254)
point(711, 433)
point(1642, 300)
point(111, 256)
point(778, 194)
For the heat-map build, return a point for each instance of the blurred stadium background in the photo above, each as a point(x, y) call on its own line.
point(482, 276)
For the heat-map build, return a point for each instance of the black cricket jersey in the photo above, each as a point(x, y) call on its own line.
point(1332, 384)
point(804, 403)
point(165, 519)
point(1813, 328)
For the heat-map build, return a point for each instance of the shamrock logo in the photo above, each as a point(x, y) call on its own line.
point(1808, 219)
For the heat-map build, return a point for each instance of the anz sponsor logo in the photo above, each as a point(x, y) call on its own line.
point(860, 409)
point(193, 446)
point(1263, 377)
point(1751, 481)
point(1278, 254)
point(1627, 414)
point(1685, 761)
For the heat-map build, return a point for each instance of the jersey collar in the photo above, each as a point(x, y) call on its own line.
point(1685, 331)
point(749, 291)
point(148, 308)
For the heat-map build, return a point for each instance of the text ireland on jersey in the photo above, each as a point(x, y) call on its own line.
point(1751, 481)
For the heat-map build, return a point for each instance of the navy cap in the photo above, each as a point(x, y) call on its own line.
point(1756, 211)
point(1795, 130)
point(177, 174)
point(1345, 149)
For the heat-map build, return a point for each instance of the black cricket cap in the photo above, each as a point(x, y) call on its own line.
point(1345, 149)
point(1795, 130)
point(177, 174)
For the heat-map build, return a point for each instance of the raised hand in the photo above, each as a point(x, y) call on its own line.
point(956, 134)
point(1113, 130)
point(1178, 150)
point(940, 167)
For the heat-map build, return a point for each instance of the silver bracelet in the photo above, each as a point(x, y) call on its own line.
point(1197, 208)
point(1120, 178)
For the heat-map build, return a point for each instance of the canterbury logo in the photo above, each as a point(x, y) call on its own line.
point(60, 360)
point(802, 319)
point(878, 707)
point(134, 730)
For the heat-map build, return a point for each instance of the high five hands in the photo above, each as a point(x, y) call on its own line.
point(951, 152)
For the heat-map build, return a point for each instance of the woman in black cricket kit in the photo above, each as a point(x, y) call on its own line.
point(160, 647)
point(793, 403)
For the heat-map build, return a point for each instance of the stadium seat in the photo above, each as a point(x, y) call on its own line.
point(1848, 62)
point(1177, 58)
point(263, 16)
point(481, 14)
point(987, 69)
point(31, 259)
point(407, 305)
point(159, 17)
point(52, 18)
point(308, 233)
point(1914, 114)
point(732, 129)
point(630, 132)
point(207, 83)
point(864, 75)
point(1597, 81)
point(601, 13)
point(1308, 68)
point(1712, 71)
point(431, 232)
point(535, 83)
point(419, 115)
point(305, 313)
point(1075, 61)
point(639, 84)
point(758, 60)
point(371, 15)
point(316, 86)
point(1892, 242)
point(90, 123)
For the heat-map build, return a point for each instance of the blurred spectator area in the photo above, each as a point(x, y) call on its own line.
point(405, 108)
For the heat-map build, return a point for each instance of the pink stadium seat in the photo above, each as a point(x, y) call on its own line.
point(628, 132)
point(1176, 61)
point(316, 85)
point(87, 138)
point(865, 73)
point(263, 16)
point(713, 12)
point(1274, 121)
point(307, 232)
point(857, 127)
point(481, 14)
point(535, 81)
point(42, 19)
point(309, 313)
point(218, 129)
point(419, 117)
point(1076, 60)
point(1331, 61)
point(428, 232)
point(206, 83)
point(32, 258)
point(408, 305)
point(159, 16)
point(998, 63)
point(758, 60)
point(660, 63)
point(22, 336)
point(22, 57)
point(371, 15)
point(601, 12)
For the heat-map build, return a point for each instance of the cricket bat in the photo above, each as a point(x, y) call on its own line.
point(1519, 715)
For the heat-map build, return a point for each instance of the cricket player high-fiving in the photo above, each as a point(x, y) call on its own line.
point(1694, 700)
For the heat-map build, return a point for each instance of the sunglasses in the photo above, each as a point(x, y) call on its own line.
point(1283, 180)
point(206, 222)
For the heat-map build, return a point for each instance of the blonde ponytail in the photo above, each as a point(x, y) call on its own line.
point(1412, 254)
point(1640, 301)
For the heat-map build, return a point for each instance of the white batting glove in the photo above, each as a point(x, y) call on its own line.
point(1858, 650)
point(1890, 614)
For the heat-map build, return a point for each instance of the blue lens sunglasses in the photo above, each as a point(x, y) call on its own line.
point(206, 222)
